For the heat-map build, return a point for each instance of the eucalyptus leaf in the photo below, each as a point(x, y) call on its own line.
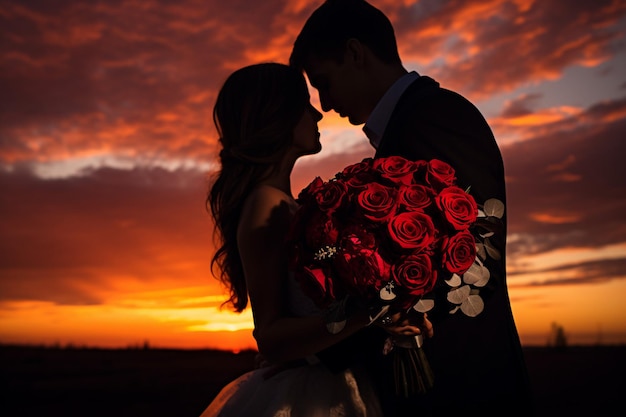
point(458, 295)
point(386, 293)
point(454, 310)
point(481, 214)
point(424, 305)
point(378, 315)
point(472, 306)
point(473, 275)
point(454, 281)
point(494, 207)
point(491, 250)
point(484, 277)
point(488, 234)
point(335, 314)
point(480, 251)
point(335, 326)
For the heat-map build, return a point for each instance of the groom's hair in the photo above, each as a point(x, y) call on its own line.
point(331, 25)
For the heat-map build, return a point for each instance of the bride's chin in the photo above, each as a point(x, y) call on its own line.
point(318, 149)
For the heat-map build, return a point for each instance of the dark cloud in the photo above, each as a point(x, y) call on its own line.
point(521, 106)
point(69, 240)
point(598, 271)
point(567, 186)
point(496, 46)
point(145, 72)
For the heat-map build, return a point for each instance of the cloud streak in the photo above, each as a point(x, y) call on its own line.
point(74, 241)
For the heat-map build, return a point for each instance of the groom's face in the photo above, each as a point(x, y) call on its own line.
point(340, 88)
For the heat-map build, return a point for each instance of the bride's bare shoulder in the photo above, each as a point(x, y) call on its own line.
point(264, 204)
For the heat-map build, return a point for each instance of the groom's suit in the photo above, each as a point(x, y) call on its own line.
point(477, 361)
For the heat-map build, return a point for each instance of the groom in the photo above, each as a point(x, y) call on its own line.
point(347, 48)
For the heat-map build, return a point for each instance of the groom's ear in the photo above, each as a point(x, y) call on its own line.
point(354, 53)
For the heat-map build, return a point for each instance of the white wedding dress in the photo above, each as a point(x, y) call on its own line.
point(305, 390)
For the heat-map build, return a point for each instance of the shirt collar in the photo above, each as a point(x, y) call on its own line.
point(377, 121)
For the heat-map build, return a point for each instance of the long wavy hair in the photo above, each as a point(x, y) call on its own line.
point(255, 114)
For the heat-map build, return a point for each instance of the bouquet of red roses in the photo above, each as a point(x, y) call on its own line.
point(385, 231)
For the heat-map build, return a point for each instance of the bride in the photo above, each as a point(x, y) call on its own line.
point(266, 122)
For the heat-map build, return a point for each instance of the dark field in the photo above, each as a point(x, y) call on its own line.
point(577, 381)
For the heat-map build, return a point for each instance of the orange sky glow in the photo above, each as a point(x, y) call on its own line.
point(107, 146)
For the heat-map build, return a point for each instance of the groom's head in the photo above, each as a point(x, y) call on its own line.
point(342, 46)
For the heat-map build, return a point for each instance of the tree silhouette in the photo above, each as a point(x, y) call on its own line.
point(557, 339)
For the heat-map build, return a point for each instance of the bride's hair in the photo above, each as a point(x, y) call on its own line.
point(255, 114)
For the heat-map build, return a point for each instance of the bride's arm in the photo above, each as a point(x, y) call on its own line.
point(262, 229)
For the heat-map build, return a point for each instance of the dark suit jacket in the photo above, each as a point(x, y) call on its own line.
point(478, 362)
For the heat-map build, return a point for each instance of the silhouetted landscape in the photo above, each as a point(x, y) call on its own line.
point(86, 382)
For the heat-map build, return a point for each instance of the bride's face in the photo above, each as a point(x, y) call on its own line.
point(306, 135)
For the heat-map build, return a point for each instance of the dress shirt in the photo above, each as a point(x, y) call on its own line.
point(377, 121)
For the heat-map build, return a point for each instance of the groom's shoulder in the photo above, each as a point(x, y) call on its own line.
point(429, 98)
point(425, 91)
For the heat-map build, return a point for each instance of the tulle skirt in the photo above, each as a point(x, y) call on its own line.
point(302, 391)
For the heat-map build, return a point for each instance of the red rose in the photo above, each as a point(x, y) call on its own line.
point(412, 230)
point(361, 268)
point(415, 197)
point(353, 235)
point(311, 189)
point(415, 274)
point(458, 207)
point(376, 202)
point(358, 181)
point(459, 252)
point(356, 176)
point(396, 168)
point(330, 195)
point(320, 230)
point(316, 284)
point(358, 168)
point(440, 174)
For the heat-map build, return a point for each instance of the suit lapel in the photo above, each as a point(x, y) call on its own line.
point(422, 87)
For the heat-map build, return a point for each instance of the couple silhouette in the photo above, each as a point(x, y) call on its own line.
point(348, 51)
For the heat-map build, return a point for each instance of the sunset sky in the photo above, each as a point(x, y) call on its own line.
point(107, 143)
